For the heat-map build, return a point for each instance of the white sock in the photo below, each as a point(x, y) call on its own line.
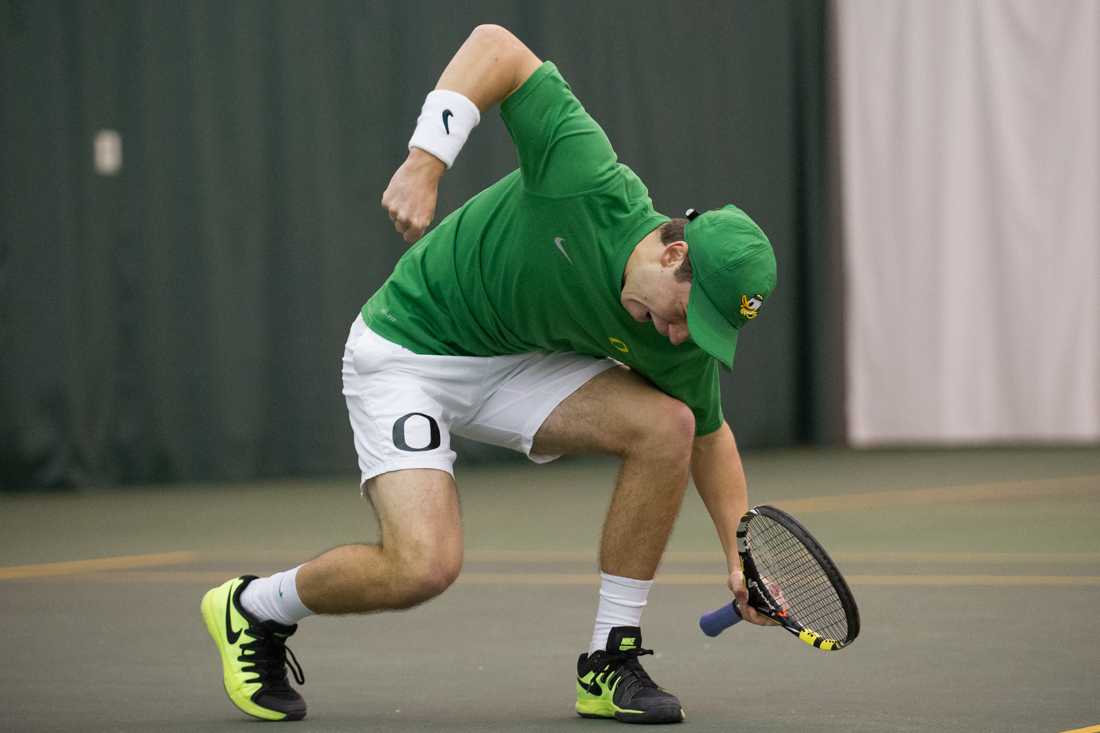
point(621, 604)
point(275, 598)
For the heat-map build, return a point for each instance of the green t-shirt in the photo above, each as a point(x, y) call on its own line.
point(535, 262)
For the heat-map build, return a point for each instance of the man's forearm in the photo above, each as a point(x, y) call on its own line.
point(489, 66)
point(720, 479)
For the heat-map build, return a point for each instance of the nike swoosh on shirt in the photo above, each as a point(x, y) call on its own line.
point(561, 248)
point(447, 113)
point(230, 635)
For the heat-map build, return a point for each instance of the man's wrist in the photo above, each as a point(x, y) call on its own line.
point(424, 162)
point(445, 121)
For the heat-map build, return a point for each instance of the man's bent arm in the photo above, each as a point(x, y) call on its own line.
point(486, 69)
point(720, 479)
point(489, 66)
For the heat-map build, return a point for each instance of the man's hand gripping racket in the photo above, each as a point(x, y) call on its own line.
point(791, 580)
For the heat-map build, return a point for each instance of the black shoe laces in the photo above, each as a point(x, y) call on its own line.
point(270, 658)
point(625, 664)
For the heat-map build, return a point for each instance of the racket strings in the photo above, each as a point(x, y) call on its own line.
point(795, 579)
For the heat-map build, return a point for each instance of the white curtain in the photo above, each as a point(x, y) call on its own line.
point(970, 161)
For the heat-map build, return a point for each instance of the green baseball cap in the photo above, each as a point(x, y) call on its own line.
point(733, 273)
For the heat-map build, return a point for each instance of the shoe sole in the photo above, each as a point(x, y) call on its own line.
point(212, 614)
point(600, 709)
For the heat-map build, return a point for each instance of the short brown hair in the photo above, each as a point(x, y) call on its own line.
point(673, 231)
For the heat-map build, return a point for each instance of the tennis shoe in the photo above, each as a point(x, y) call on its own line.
point(612, 684)
point(254, 655)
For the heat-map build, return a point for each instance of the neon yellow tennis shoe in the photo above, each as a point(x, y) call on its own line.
point(254, 655)
point(612, 684)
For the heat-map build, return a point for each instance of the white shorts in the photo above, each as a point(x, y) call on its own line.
point(404, 406)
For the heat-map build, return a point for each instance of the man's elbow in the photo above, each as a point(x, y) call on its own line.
point(505, 48)
point(493, 33)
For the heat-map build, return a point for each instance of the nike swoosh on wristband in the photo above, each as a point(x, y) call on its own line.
point(447, 113)
point(230, 635)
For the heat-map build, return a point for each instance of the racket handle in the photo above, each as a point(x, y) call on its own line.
point(717, 621)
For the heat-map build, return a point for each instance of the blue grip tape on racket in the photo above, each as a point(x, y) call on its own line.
point(717, 621)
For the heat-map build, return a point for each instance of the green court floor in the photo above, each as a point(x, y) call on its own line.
point(977, 574)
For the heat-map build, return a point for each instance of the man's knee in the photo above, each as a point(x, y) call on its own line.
point(664, 427)
point(420, 576)
point(421, 538)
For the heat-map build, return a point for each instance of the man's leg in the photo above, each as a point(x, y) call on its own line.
point(419, 556)
point(620, 413)
point(617, 412)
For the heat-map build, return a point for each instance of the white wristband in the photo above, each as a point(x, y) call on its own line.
point(445, 122)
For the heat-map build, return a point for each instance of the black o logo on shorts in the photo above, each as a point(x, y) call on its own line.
point(399, 433)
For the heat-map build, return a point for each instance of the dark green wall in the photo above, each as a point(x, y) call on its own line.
point(185, 319)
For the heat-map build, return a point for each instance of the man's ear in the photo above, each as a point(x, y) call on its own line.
point(674, 253)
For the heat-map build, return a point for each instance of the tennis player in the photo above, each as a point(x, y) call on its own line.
point(556, 312)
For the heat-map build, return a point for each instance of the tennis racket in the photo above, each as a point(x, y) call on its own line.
point(791, 580)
